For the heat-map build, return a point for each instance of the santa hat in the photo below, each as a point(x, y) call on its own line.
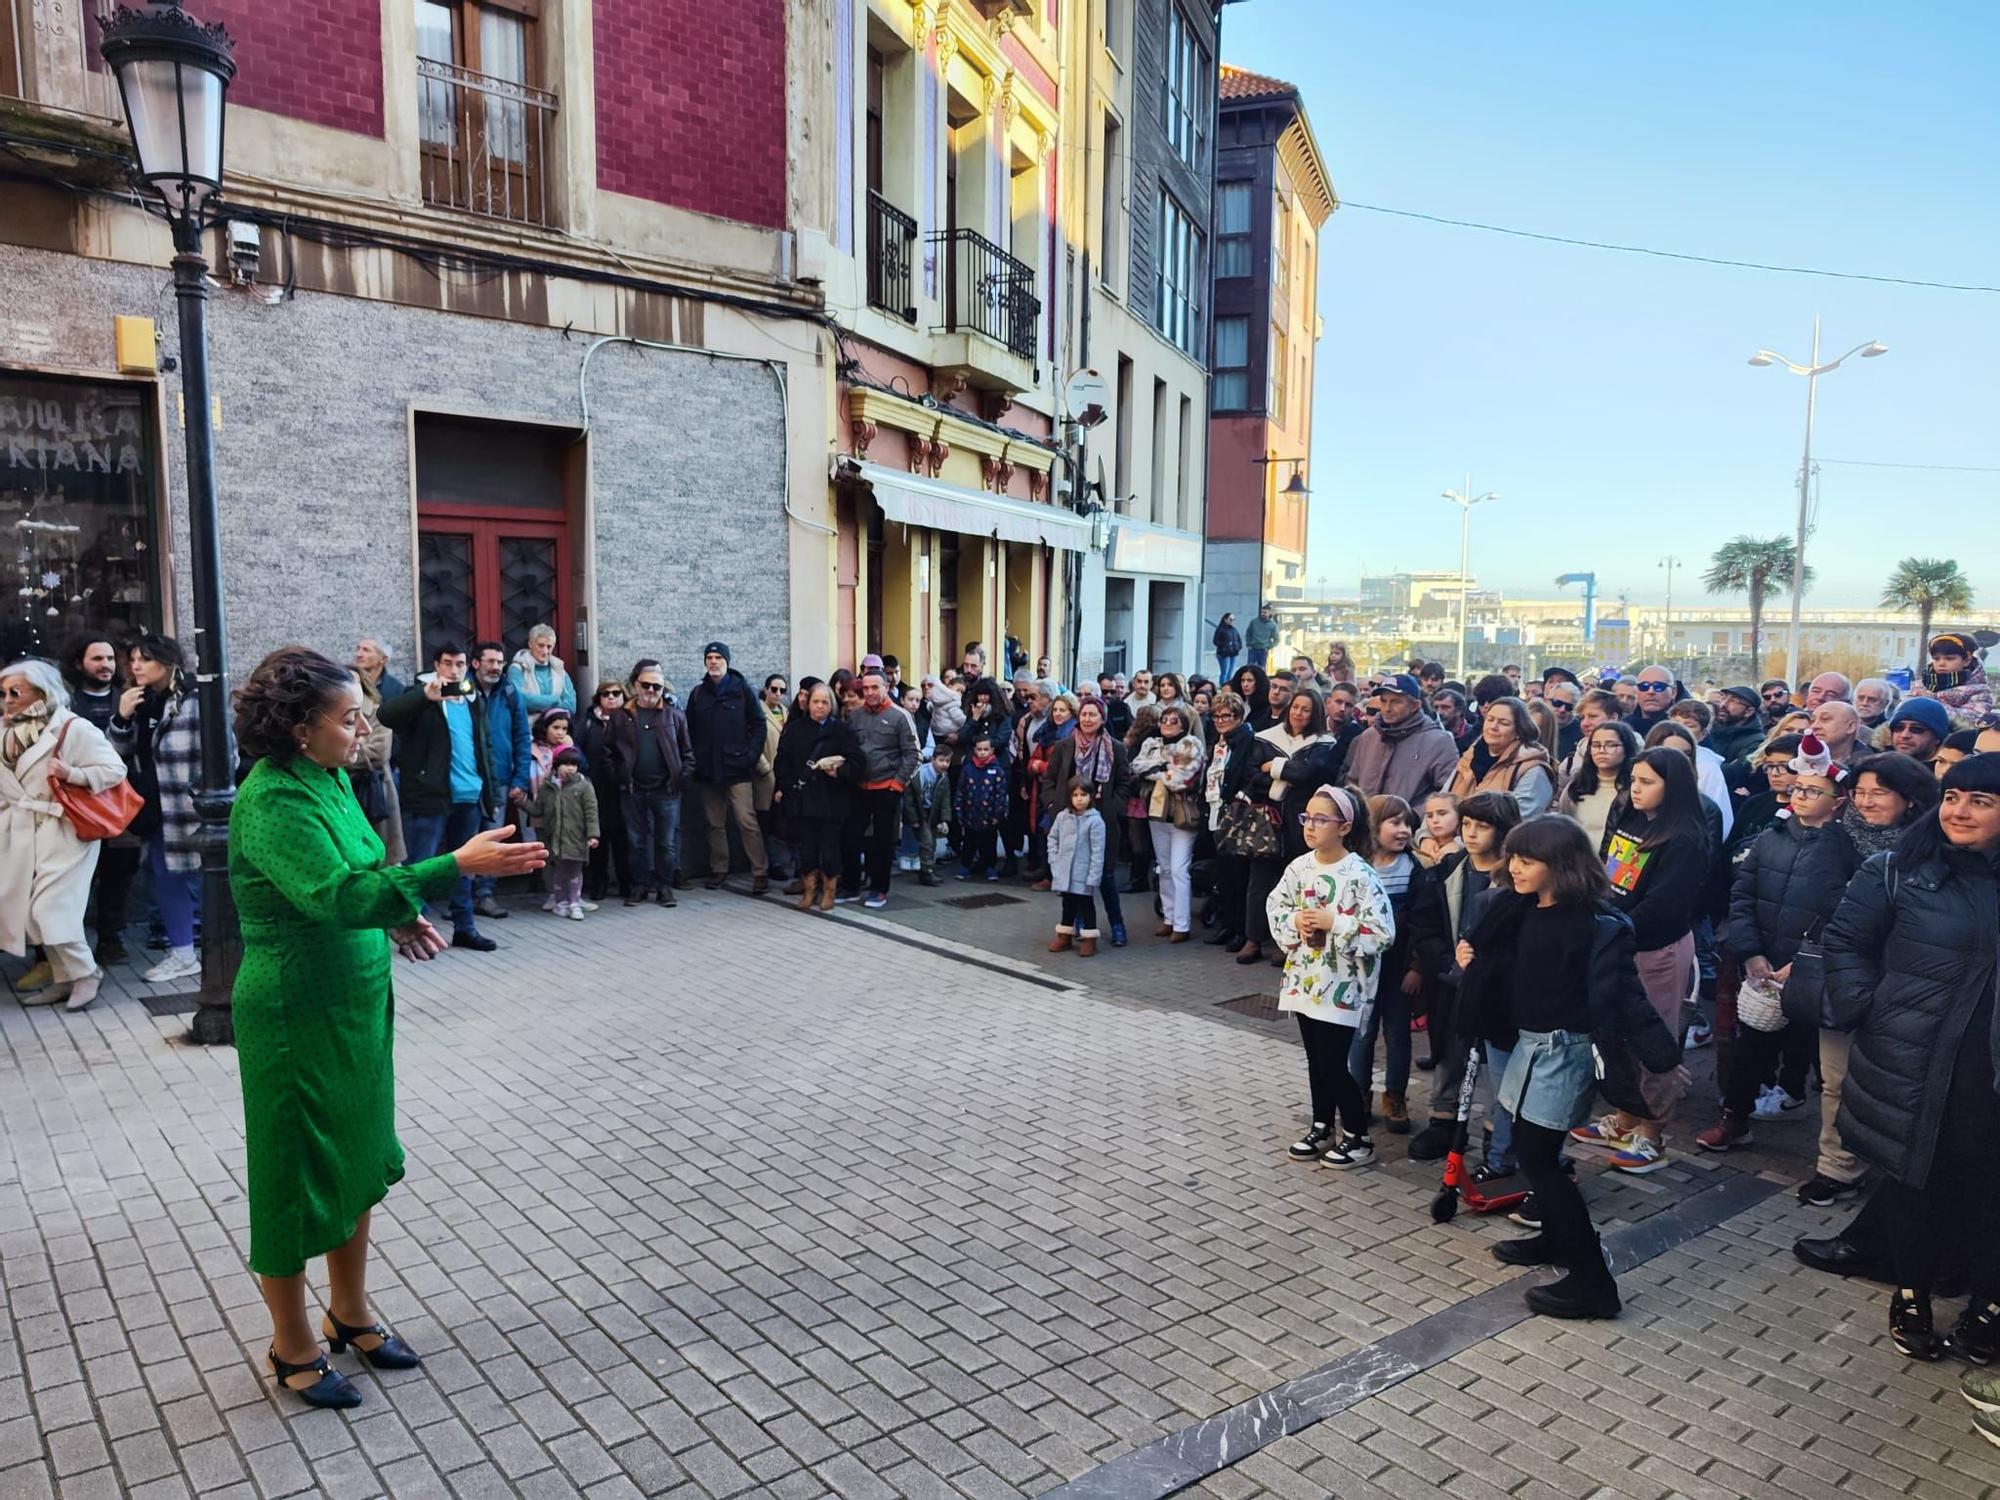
point(1814, 759)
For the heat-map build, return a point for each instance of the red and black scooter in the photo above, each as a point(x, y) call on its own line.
point(1458, 1179)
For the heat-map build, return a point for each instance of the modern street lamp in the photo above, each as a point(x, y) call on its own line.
point(173, 75)
point(1812, 371)
point(1464, 499)
point(1669, 563)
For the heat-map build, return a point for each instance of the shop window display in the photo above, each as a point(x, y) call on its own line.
point(77, 533)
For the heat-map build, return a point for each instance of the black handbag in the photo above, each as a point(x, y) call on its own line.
point(1247, 830)
point(369, 793)
point(1804, 994)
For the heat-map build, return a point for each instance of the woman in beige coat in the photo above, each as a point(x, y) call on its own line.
point(45, 869)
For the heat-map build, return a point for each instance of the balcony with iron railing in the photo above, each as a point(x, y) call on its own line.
point(485, 142)
point(892, 259)
point(989, 292)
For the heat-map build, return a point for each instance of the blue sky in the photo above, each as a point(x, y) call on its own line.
point(1606, 396)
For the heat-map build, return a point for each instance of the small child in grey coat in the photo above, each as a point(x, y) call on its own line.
point(1076, 868)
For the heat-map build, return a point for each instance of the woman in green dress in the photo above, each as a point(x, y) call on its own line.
point(315, 1007)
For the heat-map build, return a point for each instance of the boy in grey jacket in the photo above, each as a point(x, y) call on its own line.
point(1076, 867)
point(927, 809)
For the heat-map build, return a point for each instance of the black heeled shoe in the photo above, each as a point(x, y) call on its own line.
point(391, 1354)
point(332, 1389)
point(1910, 1327)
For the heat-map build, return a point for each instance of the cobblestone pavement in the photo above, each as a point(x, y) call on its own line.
point(732, 1201)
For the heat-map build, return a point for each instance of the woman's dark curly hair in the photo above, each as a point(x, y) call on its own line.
point(289, 687)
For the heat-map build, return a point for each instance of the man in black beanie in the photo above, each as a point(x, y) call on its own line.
point(726, 724)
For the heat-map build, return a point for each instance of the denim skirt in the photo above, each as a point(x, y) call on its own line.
point(1550, 1079)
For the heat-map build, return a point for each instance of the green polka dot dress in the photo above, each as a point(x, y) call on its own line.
point(315, 1007)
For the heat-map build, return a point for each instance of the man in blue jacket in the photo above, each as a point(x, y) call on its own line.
point(510, 760)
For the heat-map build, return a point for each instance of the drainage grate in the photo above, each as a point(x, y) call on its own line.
point(1257, 1007)
point(172, 1005)
point(983, 899)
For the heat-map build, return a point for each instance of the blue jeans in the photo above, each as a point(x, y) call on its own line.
point(1225, 668)
point(1260, 656)
point(174, 894)
point(1391, 1016)
point(1499, 1149)
point(428, 834)
point(653, 816)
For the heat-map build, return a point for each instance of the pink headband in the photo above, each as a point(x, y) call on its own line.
point(1342, 803)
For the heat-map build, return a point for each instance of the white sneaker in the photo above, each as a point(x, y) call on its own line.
point(174, 966)
point(574, 913)
point(560, 908)
point(84, 991)
point(1774, 1104)
point(587, 905)
point(1352, 1151)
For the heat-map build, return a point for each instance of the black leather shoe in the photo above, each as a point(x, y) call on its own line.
point(332, 1389)
point(478, 942)
point(1572, 1297)
point(1836, 1257)
point(389, 1352)
point(665, 896)
point(1975, 1337)
point(1535, 1250)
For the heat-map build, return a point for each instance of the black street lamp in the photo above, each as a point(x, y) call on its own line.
point(173, 74)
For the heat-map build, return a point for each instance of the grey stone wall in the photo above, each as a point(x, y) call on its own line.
point(685, 452)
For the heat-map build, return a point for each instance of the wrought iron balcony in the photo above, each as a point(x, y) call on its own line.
point(989, 292)
point(485, 142)
point(892, 259)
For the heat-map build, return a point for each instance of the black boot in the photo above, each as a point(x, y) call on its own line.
point(1535, 1250)
point(1910, 1327)
point(1433, 1141)
point(1588, 1291)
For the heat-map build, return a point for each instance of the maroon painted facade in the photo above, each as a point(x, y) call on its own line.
point(313, 60)
point(691, 104)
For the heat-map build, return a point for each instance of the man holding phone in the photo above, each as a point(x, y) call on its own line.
point(441, 751)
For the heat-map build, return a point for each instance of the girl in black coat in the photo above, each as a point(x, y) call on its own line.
point(817, 769)
point(1550, 978)
point(1253, 686)
point(1657, 856)
point(1910, 967)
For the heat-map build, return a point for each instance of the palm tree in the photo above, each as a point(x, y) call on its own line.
point(1748, 565)
point(1927, 585)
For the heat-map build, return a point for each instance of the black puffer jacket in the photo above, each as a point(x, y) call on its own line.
point(1307, 770)
point(1910, 956)
point(1789, 883)
point(1618, 1005)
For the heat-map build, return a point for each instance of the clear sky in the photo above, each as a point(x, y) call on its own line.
point(1606, 396)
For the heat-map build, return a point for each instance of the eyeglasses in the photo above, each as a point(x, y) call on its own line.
point(1809, 793)
point(18, 692)
point(612, 693)
point(1561, 707)
point(649, 687)
point(1317, 820)
point(776, 690)
point(1653, 687)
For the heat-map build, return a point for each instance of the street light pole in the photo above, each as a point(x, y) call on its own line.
point(1669, 563)
point(1465, 500)
point(173, 75)
point(1812, 372)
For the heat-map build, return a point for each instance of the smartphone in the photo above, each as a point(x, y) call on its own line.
point(465, 687)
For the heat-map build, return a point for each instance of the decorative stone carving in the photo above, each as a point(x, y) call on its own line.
point(947, 46)
point(864, 434)
point(946, 384)
point(996, 404)
point(998, 473)
point(940, 451)
point(1038, 484)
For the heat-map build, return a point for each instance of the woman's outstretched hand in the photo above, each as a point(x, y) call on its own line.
point(418, 940)
point(491, 853)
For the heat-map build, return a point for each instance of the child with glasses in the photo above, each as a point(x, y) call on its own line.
point(1332, 918)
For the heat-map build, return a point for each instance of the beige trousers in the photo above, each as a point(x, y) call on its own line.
point(1835, 1160)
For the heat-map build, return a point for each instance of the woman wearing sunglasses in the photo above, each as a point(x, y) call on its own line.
point(613, 853)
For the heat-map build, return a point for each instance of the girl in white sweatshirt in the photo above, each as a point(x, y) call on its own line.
point(1331, 916)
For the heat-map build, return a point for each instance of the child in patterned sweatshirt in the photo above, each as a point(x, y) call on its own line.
point(1332, 918)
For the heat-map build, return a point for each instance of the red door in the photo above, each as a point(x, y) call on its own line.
point(491, 575)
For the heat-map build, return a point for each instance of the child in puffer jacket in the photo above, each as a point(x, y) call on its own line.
point(1076, 868)
point(982, 808)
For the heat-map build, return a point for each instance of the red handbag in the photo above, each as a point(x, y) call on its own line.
point(96, 815)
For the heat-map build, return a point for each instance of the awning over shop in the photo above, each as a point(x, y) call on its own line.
point(919, 501)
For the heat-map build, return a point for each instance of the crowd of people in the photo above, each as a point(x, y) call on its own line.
point(1574, 878)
